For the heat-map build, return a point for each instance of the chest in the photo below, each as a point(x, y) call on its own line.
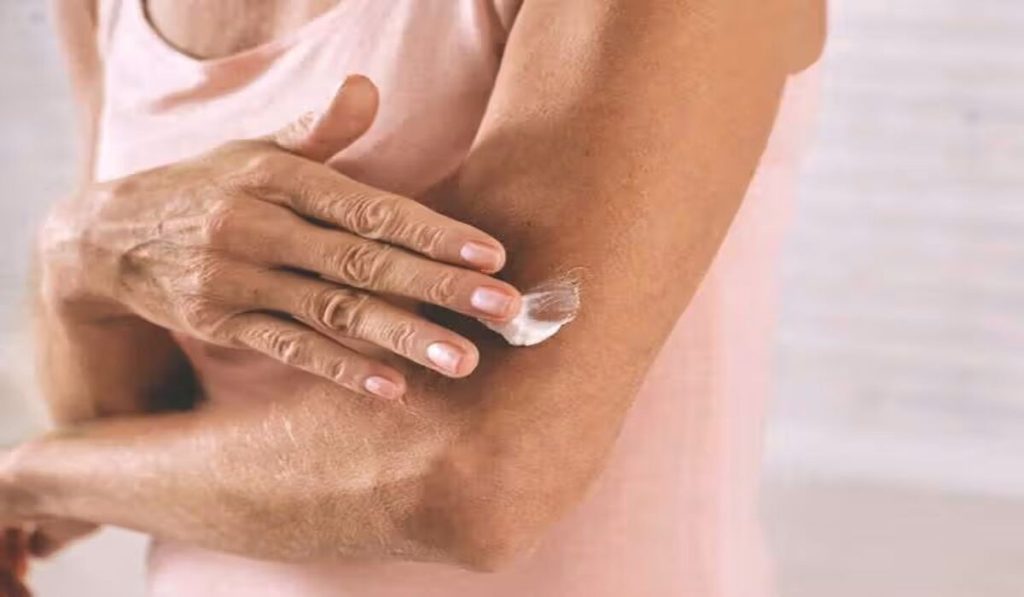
point(434, 63)
point(216, 28)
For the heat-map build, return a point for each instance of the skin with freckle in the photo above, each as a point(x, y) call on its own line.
point(634, 139)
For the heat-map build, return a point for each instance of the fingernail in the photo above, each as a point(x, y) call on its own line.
point(482, 256)
point(383, 387)
point(445, 356)
point(491, 301)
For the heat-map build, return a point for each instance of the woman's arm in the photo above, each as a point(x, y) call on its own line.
point(620, 140)
point(89, 371)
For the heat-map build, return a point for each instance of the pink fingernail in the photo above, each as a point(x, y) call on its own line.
point(482, 256)
point(445, 356)
point(383, 387)
point(491, 301)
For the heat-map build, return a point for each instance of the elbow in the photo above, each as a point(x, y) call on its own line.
point(492, 535)
point(486, 551)
point(479, 531)
point(489, 510)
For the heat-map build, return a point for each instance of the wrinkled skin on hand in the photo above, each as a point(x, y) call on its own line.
point(219, 245)
point(259, 245)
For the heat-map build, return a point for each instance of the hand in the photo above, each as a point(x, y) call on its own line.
point(23, 532)
point(22, 536)
point(13, 563)
point(13, 542)
point(257, 244)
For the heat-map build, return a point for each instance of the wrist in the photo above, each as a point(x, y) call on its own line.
point(73, 282)
point(20, 500)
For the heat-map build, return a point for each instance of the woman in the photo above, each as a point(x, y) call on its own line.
point(334, 444)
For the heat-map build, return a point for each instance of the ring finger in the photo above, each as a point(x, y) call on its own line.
point(341, 313)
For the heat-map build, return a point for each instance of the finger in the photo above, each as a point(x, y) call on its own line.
point(296, 345)
point(318, 137)
point(52, 536)
point(12, 586)
point(340, 312)
point(320, 193)
point(13, 551)
point(382, 268)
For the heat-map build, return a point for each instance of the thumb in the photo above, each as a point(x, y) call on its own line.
point(318, 136)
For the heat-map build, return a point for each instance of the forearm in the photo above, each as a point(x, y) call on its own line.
point(320, 474)
point(484, 463)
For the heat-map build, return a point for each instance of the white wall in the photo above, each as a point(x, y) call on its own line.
point(901, 350)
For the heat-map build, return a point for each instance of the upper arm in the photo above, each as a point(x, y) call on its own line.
point(75, 24)
point(620, 140)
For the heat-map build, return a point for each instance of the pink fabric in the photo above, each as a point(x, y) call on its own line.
point(675, 512)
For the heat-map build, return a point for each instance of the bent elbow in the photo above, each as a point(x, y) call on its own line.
point(490, 511)
point(480, 530)
point(493, 552)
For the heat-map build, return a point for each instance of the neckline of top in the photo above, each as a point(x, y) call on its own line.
point(270, 47)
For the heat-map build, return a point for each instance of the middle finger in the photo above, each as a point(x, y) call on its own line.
point(383, 268)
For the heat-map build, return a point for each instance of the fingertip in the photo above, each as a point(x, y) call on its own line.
point(517, 304)
point(469, 362)
point(359, 94)
point(388, 388)
point(487, 257)
point(496, 301)
point(356, 79)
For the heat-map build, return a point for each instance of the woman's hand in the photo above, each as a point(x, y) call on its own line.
point(14, 548)
point(257, 244)
point(13, 563)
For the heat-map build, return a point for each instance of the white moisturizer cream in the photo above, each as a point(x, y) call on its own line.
point(546, 308)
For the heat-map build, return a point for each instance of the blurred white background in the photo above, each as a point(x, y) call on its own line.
point(894, 453)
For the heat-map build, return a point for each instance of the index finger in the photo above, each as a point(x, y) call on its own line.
point(318, 192)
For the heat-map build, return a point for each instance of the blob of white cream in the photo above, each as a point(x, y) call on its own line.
point(546, 308)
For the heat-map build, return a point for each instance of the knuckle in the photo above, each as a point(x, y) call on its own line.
point(341, 370)
point(221, 220)
point(203, 275)
point(401, 337)
point(338, 310)
point(371, 216)
point(286, 346)
point(140, 263)
point(363, 263)
point(427, 239)
point(202, 317)
point(442, 289)
point(260, 168)
point(422, 237)
point(266, 163)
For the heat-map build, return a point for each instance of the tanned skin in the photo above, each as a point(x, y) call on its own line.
point(647, 116)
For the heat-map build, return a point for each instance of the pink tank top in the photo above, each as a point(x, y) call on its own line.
point(675, 512)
